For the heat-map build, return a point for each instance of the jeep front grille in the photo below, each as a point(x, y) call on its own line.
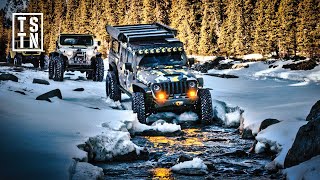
point(172, 88)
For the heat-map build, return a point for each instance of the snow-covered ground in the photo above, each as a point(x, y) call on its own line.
point(309, 170)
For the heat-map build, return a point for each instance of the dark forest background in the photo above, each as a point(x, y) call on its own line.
point(207, 27)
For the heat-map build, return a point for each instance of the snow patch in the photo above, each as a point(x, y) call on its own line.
point(308, 170)
point(229, 116)
point(195, 163)
point(253, 56)
point(187, 116)
point(159, 125)
point(279, 137)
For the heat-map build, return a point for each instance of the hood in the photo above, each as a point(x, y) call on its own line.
point(147, 76)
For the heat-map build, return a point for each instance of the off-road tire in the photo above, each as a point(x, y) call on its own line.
point(204, 106)
point(58, 69)
point(98, 72)
point(35, 63)
point(51, 69)
point(17, 61)
point(112, 87)
point(42, 61)
point(134, 103)
point(140, 107)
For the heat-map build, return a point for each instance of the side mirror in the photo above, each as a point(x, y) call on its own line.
point(190, 61)
point(99, 43)
point(128, 67)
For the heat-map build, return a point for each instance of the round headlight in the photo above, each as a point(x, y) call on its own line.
point(156, 87)
point(192, 84)
point(69, 53)
point(89, 53)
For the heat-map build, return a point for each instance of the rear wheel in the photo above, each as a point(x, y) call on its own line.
point(98, 72)
point(140, 107)
point(58, 69)
point(17, 61)
point(204, 106)
point(112, 87)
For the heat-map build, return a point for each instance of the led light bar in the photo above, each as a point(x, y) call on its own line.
point(159, 50)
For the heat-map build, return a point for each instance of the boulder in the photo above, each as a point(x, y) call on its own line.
point(50, 94)
point(267, 122)
point(40, 81)
point(305, 146)
point(79, 89)
point(8, 77)
point(227, 76)
point(247, 134)
point(183, 158)
point(314, 112)
point(84, 171)
point(304, 65)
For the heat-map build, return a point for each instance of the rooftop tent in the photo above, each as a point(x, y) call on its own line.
point(131, 33)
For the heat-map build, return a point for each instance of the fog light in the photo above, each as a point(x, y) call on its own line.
point(192, 94)
point(161, 96)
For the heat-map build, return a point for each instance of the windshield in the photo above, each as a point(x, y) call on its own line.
point(76, 40)
point(168, 59)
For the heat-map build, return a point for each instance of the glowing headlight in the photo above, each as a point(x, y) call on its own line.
point(69, 53)
point(90, 53)
point(192, 84)
point(156, 87)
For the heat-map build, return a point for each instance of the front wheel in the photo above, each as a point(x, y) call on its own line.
point(204, 106)
point(140, 107)
point(51, 69)
point(112, 87)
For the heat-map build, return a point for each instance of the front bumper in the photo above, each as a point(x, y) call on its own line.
point(174, 104)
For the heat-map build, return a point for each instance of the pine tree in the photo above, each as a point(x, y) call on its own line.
point(148, 13)
point(307, 27)
point(260, 25)
point(134, 15)
point(207, 36)
point(287, 15)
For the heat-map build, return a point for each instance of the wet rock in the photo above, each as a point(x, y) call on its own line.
point(183, 158)
point(227, 76)
point(17, 69)
point(210, 166)
point(247, 134)
point(94, 108)
point(305, 146)
point(40, 81)
point(237, 153)
point(191, 171)
point(50, 94)
point(271, 167)
point(304, 65)
point(267, 122)
point(8, 77)
point(84, 171)
point(314, 112)
point(152, 132)
point(273, 66)
point(79, 89)
point(20, 92)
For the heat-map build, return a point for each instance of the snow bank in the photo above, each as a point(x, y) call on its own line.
point(229, 116)
point(112, 144)
point(253, 57)
point(159, 125)
point(202, 59)
point(279, 137)
point(196, 163)
point(308, 170)
point(84, 171)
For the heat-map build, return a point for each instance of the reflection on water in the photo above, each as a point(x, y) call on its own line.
point(191, 138)
point(161, 174)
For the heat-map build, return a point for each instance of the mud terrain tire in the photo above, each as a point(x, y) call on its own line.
point(58, 69)
point(112, 87)
point(98, 72)
point(134, 104)
point(51, 69)
point(140, 107)
point(204, 108)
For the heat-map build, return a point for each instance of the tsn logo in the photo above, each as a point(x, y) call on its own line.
point(27, 32)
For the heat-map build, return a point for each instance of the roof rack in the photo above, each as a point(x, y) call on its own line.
point(139, 32)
